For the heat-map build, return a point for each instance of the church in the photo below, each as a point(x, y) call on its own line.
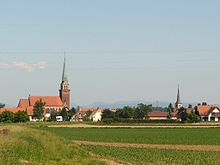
point(52, 103)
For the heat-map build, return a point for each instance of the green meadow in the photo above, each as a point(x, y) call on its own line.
point(40, 144)
point(24, 145)
point(190, 136)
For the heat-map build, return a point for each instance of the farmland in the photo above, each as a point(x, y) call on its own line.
point(188, 136)
point(23, 145)
point(156, 156)
point(200, 137)
point(40, 144)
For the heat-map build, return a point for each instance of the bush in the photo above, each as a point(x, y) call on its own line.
point(21, 116)
point(7, 117)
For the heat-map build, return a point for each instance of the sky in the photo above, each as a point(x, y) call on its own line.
point(116, 49)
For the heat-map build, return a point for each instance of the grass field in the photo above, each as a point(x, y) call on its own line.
point(156, 156)
point(39, 144)
point(30, 146)
point(189, 136)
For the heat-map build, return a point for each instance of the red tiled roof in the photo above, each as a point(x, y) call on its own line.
point(87, 109)
point(205, 109)
point(49, 100)
point(14, 110)
point(23, 103)
point(30, 110)
point(157, 114)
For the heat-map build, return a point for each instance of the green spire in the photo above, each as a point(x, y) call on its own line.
point(64, 77)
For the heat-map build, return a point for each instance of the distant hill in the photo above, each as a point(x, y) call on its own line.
point(120, 104)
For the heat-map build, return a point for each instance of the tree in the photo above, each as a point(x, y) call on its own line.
point(107, 114)
point(126, 112)
point(53, 115)
point(77, 108)
point(64, 114)
point(2, 105)
point(193, 117)
point(190, 117)
point(170, 107)
point(73, 110)
point(38, 109)
point(182, 114)
point(21, 116)
point(142, 110)
point(190, 106)
point(7, 117)
point(170, 110)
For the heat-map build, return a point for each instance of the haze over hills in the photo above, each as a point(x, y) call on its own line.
point(120, 104)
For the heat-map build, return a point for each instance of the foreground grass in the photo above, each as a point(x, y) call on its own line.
point(188, 136)
point(156, 156)
point(31, 146)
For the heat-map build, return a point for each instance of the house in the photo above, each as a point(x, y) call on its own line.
point(209, 112)
point(79, 116)
point(87, 109)
point(157, 115)
point(96, 115)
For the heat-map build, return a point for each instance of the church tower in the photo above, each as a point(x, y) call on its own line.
point(65, 87)
point(178, 103)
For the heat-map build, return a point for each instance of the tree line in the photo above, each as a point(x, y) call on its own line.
point(127, 112)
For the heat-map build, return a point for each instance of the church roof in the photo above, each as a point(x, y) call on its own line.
point(14, 110)
point(49, 100)
point(23, 103)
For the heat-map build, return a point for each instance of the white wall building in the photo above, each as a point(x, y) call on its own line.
point(96, 115)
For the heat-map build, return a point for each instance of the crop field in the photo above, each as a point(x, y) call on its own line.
point(188, 136)
point(156, 156)
point(40, 144)
point(189, 145)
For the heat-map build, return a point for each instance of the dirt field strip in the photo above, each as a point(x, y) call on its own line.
point(130, 126)
point(158, 146)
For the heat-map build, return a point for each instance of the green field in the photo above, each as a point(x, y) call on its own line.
point(195, 136)
point(156, 156)
point(30, 146)
point(39, 144)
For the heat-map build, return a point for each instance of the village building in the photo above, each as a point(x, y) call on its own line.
point(93, 114)
point(79, 116)
point(209, 112)
point(96, 115)
point(52, 103)
point(157, 115)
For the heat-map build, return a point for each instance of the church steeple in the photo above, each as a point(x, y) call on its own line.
point(65, 87)
point(178, 101)
point(64, 77)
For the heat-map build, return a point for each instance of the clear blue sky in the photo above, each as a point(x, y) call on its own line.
point(116, 49)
